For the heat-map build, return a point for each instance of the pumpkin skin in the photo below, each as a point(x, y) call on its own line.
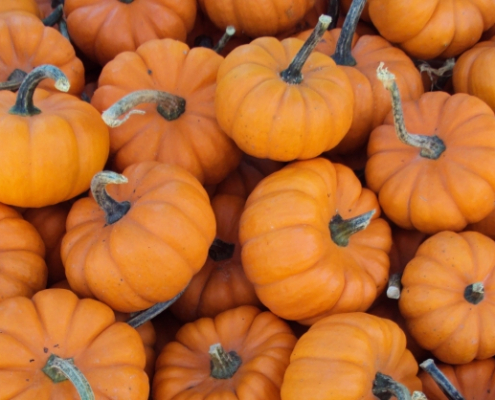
point(193, 141)
point(298, 271)
point(152, 252)
point(101, 29)
point(110, 354)
point(472, 73)
point(431, 29)
point(28, 6)
point(263, 341)
point(429, 195)
point(23, 269)
point(25, 43)
point(438, 314)
point(256, 18)
point(340, 355)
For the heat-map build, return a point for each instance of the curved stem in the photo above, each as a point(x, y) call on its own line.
point(55, 16)
point(14, 80)
point(384, 387)
point(169, 106)
point(141, 317)
point(342, 55)
point(24, 102)
point(431, 146)
point(292, 74)
point(394, 286)
point(62, 25)
point(441, 380)
point(113, 209)
point(229, 32)
point(341, 229)
point(60, 369)
point(474, 293)
point(223, 365)
point(437, 76)
point(220, 250)
point(333, 11)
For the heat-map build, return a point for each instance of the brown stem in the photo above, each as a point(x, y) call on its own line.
point(292, 74)
point(229, 32)
point(14, 80)
point(384, 387)
point(394, 286)
point(431, 146)
point(441, 380)
point(220, 250)
point(223, 365)
point(474, 293)
point(341, 229)
point(60, 369)
point(342, 55)
point(113, 209)
point(169, 106)
point(24, 102)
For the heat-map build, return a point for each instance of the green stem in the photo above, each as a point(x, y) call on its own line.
point(14, 80)
point(113, 209)
point(61, 369)
point(441, 380)
point(223, 365)
point(341, 229)
point(55, 16)
point(24, 102)
point(384, 387)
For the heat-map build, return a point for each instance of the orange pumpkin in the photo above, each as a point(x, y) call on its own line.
point(28, 6)
point(56, 331)
point(240, 354)
point(312, 242)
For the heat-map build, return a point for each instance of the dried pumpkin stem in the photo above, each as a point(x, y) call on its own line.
point(292, 74)
point(24, 102)
point(417, 395)
point(220, 250)
point(333, 10)
point(438, 76)
point(475, 293)
point(341, 229)
point(14, 80)
point(223, 365)
point(169, 106)
point(61, 369)
point(113, 209)
point(394, 286)
point(384, 387)
point(342, 55)
point(431, 146)
point(55, 16)
point(229, 32)
point(441, 380)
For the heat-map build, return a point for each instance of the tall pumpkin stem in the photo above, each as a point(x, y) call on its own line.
point(384, 387)
point(441, 380)
point(223, 365)
point(220, 250)
point(24, 102)
point(342, 55)
point(474, 293)
point(292, 74)
point(169, 106)
point(229, 32)
point(341, 229)
point(113, 209)
point(431, 147)
point(61, 369)
point(333, 10)
point(14, 80)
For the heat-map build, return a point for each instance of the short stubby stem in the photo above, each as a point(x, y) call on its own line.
point(223, 365)
point(220, 250)
point(341, 229)
point(474, 293)
point(394, 286)
point(384, 387)
point(113, 209)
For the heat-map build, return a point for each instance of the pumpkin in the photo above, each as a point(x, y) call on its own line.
point(141, 242)
point(472, 73)
point(343, 356)
point(101, 29)
point(422, 178)
point(282, 106)
point(27, 6)
point(56, 331)
point(434, 28)
point(25, 43)
point(23, 269)
point(312, 242)
point(447, 296)
point(242, 353)
point(182, 128)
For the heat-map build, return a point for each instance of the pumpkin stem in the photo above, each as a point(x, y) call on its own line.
point(384, 387)
point(126, 1)
point(14, 80)
point(220, 250)
point(229, 32)
point(24, 102)
point(61, 369)
point(474, 293)
point(169, 106)
point(341, 229)
point(417, 395)
point(114, 210)
point(333, 10)
point(223, 365)
point(55, 16)
point(441, 380)
point(394, 286)
point(342, 55)
point(431, 146)
point(438, 76)
point(292, 74)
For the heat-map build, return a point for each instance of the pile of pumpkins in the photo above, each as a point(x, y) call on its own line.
point(247, 199)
